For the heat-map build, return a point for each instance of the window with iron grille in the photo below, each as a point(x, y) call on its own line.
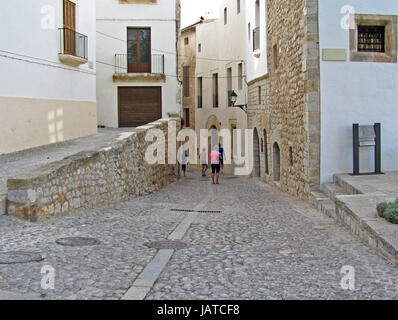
point(371, 38)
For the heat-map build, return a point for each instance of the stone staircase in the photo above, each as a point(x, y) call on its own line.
point(324, 197)
point(343, 201)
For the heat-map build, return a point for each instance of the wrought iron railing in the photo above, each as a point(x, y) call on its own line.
point(73, 43)
point(125, 63)
point(256, 39)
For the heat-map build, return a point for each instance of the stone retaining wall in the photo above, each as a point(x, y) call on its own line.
point(91, 179)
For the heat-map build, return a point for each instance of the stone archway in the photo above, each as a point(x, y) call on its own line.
point(276, 163)
point(256, 154)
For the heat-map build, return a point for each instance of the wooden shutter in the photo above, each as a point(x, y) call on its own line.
point(69, 27)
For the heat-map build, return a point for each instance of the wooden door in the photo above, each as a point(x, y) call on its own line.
point(139, 50)
point(139, 105)
point(69, 27)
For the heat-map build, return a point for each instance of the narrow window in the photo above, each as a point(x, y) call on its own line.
point(215, 90)
point(229, 85)
point(240, 76)
point(275, 56)
point(186, 41)
point(259, 95)
point(225, 16)
point(249, 31)
point(200, 88)
point(238, 6)
point(185, 81)
point(187, 120)
point(199, 47)
point(291, 156)
point(371, 38)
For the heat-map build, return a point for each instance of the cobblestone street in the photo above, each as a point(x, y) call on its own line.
point(261, 245)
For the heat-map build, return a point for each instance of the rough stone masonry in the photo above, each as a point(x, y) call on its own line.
point(93, 179)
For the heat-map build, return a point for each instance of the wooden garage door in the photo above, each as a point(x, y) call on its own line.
point(139, 105)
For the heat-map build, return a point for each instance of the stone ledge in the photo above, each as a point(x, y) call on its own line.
point(72, 61)
point(139, 77)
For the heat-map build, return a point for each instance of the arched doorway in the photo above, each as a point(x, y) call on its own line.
point(276, 162)
point(256, 154)
point(266, 152)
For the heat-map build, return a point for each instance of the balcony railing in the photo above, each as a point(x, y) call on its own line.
point(73, 43)
point(215, 100)
point(125, 63)
point(256, 39)
point(200, 102)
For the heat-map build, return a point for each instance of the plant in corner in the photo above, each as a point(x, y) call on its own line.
point(388, 211)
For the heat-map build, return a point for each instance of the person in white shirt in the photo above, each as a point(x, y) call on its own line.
point(204, 162)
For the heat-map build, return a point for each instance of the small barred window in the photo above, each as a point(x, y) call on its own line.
point(371, 38)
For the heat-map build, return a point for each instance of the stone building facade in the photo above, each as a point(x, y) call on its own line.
point(284, 104)
point(187, 70)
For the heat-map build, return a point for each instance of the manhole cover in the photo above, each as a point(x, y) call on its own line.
point(230, 178)
point(77, 242)
point(167, 244)
point(182, 210)
point(209, 211)
point(19, 257)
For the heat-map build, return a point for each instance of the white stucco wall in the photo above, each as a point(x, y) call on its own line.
point(42, 100)
point(355, 92)
point(30, 67)
point(256, 66)
point(113, 19)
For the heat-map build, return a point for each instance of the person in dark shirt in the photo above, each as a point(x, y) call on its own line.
point(221, 151)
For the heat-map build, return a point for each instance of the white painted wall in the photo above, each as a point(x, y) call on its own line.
point(29, 62)
point(256, 66)
point(113, 19)
point(355, 92)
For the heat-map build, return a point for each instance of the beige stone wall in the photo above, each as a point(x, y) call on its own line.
point(27, 123)
point(292, 118)
point(258, 118)
point(92, 179)
point(188, 58)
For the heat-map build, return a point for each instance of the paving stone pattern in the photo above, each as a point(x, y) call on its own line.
point(263, 245)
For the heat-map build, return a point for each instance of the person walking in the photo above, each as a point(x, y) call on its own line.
point(204, 162)
point(184, 160)
point(221, 151)
point(215, 164)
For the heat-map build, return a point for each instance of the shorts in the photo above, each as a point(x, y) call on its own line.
point(184, 167)
point(215, 168)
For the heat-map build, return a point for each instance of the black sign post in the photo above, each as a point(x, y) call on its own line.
point(367, 136)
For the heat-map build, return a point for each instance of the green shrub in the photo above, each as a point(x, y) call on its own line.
point(389, 211)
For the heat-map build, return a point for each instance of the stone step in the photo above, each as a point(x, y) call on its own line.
point(346, 187)
point(3, 198)
point(331, 190)
point(321, 201)
point(316, 197)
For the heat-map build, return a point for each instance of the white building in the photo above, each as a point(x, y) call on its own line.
point(222, 47)
point(357, 86)
point(47, 72)
point(137, 61)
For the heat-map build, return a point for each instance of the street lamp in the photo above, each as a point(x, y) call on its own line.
point(234, 98)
